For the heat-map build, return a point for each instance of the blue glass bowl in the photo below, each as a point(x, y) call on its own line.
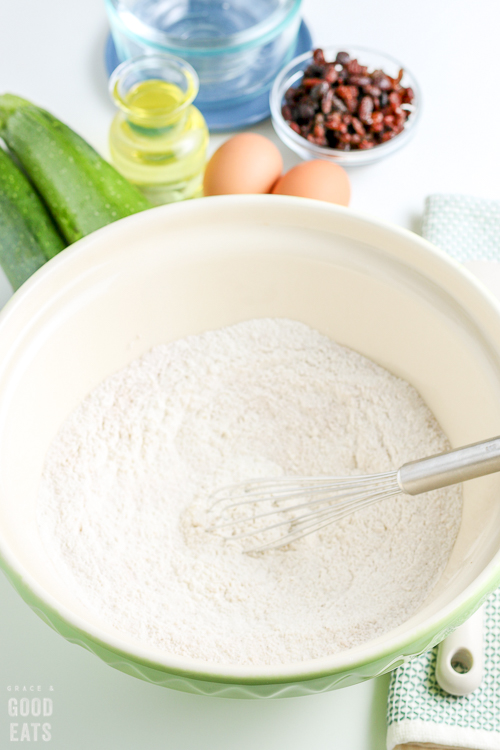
point(229, 116)
point(236, 47)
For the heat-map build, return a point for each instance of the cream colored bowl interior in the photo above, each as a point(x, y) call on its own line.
point(180, 270)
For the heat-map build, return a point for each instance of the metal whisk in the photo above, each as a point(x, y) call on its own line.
point(279, 511)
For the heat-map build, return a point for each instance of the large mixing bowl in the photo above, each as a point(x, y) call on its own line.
point(184, 269)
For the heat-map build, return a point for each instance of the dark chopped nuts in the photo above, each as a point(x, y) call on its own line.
point(342, 105)
point(371, 90)
point(330, 74)
point(319, 57)
point(342, 58)
point(347, 92)
point(377, 124)
point(358, 126)
point(365, 143)
point(395, 99)
point(327, 102)
point(381, 80)
point(355, 69)
point(360, 80)
point(365, 110)
point(338, 104)
point(319, 90)
point(408, 95)
point(310, 83)
point(305, 111)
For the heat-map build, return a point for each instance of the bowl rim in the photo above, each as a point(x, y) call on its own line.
point(255, 36)
point(369, 653)
point(301, 145)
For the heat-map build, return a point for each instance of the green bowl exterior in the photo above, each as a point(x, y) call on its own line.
point(221, 687)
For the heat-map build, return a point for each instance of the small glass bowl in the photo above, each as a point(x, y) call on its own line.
point(291, 76)
point(236, 46)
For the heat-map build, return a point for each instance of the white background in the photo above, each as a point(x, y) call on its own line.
point(51, 51)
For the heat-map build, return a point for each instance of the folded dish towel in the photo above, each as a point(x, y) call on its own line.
point(420, 714)
point(467, 228)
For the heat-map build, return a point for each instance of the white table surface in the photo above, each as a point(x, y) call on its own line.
point(51, 51)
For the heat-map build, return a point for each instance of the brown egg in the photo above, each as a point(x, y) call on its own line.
point(318, 179)
point(246, 163)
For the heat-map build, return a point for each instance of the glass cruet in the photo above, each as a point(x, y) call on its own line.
point(158, 139)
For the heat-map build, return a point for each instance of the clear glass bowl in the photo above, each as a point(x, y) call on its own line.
point(291, 76)
point(236, 46)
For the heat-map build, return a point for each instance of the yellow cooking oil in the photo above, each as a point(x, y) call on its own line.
point(152, 96)
point(158, 139)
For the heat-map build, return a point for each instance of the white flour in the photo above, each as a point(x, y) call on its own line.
point(122, 499)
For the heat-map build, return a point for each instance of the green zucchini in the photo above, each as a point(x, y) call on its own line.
point(82, 191)
point(17, 188)
point(20, 252)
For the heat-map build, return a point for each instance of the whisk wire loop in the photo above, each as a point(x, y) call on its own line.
point(329, 499)
point(326, 499)
point(321, 521)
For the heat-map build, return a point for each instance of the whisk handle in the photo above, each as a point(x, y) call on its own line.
point(445, 469)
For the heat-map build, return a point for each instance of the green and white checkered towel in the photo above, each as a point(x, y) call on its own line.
point(420, 714)
point(467, 228)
